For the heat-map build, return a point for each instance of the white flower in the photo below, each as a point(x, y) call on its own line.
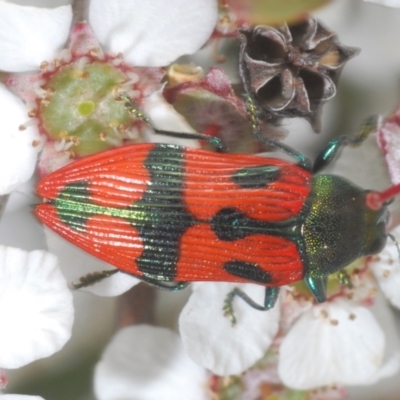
point(152, 33)
point(32, 35)
point(37, 34)
point(17, 153)
point(36, 307)
point(146, 363)
point(213, 342)
point(386, 268)
point(337, 342)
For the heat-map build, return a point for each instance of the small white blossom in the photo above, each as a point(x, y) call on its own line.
point(17, 153)
point(210, 338)
point(152, 33)
point(145, 363)
point(337, 342)
point(32, 35)
point(386, 268)
point(36, 307)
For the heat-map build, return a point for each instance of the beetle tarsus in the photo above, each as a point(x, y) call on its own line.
point(134, 109)
point(345, 279)
point(220, 147)
point(228, 307)
point(333, 148)
point(164, 285)
point(93, 277)
point(271, 295)
point(253, 112)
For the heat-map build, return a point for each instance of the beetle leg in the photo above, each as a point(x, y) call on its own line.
point(345, 278)
point(330, 152)
point(317, 285)
point(134, 109)
point(220, 147)
point(271, 295)
point(252, 110)
point(165, 285)
point(93, 278)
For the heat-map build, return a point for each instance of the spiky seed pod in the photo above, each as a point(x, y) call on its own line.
point(292, 70)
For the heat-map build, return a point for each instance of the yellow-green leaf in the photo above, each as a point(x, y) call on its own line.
point(276, 12)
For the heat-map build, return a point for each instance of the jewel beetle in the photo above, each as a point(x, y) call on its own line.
point(171, 215)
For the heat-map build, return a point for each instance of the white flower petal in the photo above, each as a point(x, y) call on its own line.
point(334, 343)
point(211, 340)
point(386, 268)
point(389, 141)
point(386, 381)
point(76, 263)
point(146, 363)
point(17, 154)
point(388, 369)
point(153, 33)
point(31, 35)
point(36, 307)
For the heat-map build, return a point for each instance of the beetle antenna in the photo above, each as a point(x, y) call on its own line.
point(375, 200)
point(134, 109)
point(395, 242)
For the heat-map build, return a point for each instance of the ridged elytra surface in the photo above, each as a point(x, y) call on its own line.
point(178, 214)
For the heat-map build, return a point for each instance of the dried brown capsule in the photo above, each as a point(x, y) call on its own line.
point(293, 70)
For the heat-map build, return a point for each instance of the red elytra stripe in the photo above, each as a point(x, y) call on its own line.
point(203, 255)
point(111, 239)
point(208, 187)
point(116, 177)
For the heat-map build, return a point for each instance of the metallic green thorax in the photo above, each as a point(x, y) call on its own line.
point(339, 227)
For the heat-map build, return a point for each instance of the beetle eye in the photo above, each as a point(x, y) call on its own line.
point(377, 245)
point(384, 217)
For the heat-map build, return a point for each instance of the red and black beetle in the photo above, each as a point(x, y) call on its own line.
point(170, 214)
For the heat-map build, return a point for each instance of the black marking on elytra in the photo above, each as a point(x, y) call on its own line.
point(248, 271)
point(73, 194)
point(165, 217)
point(256, 177)
point(230, 224)
point(227, 224)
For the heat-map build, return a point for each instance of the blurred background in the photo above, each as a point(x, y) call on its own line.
point(370, 84)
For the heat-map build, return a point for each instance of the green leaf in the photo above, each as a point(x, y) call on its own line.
point(276, 12)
